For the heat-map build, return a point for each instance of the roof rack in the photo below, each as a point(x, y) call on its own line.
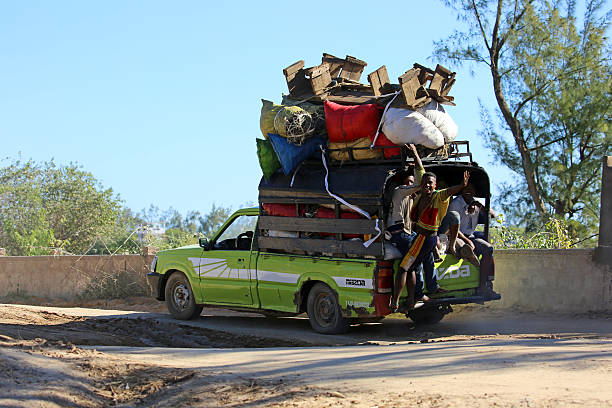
point(451, 151)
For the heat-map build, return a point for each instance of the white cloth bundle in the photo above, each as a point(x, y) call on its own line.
point(436, 113)
point(403, 126)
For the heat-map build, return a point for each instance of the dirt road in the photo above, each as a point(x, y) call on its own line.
point(478, 357)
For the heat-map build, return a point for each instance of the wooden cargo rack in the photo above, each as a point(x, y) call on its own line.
point(452, 151)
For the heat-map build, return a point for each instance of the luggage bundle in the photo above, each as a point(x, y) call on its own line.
point(328, 109)
point(323, 206)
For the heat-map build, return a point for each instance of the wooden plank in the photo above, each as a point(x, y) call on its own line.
point(410, 84)
point(425, 76)
point(347, 226)
point(445, 72)
point(434, 93)
point(292, 69)
point(448, 85)
point(352, 68)
point(379, 80)
point(437, 82)
point(423, 68)
point(346, 97)
point(440, 79)
point(320, 245)
point(352, 86)
point(278, 198)
point(335, 64)
point(319, 78)
point(296, 79)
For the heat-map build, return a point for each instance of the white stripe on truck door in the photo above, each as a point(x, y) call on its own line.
point(217, 268)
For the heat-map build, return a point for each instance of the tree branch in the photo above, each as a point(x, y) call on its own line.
point(482, 31)
point(546, 144)
point(513, 25)
point(494, 44)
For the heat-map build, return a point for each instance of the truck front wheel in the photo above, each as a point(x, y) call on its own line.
point(324, 311)
point(179, 298)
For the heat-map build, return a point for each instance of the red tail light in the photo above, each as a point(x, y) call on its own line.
point(384, 277)
point(383, 288)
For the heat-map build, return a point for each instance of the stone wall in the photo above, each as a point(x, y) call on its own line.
point(73, 277)
point(552, 280)
point(565, 281)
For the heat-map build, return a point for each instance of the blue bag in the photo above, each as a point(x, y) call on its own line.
point(291, 155)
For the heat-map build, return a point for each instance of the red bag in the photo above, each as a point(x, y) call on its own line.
point(323, 212)
point(348, 123)
point(383, 141)
point(282, 210)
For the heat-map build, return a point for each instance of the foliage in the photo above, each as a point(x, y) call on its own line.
point(179, 230)
point(171, 238)
point(23, 225)
point(115, 286)
point(45, 206)
point(552, 83)
point(553, 234)
point(122, 236)
point(211, 222)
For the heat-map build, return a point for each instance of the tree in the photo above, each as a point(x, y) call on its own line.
point(24, 229)
point(552, 84)
point(211, 222)
point(181, 230)
point(45, 206)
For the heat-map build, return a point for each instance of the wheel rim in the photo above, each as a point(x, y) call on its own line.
point(325, 309)
point(180, 294)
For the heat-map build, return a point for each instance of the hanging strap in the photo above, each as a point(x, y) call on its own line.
point(383, 115)
point(351, 206)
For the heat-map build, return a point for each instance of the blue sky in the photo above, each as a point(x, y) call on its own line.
point(161, 100)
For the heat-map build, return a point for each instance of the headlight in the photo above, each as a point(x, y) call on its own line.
point(154, 263)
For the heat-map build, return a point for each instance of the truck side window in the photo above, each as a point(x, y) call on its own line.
point(238, 235)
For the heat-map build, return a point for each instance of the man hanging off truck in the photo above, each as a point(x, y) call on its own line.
point(427, 212)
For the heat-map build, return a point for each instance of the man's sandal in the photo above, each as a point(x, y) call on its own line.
point(440, 290)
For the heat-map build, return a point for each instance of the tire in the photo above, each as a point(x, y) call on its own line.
point(180, 299)
point(324, 312)
point(427, 316)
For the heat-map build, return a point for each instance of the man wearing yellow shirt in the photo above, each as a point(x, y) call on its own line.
point(426, 214)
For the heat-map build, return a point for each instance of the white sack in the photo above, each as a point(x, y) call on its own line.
point(436, 113)
point(403, 126)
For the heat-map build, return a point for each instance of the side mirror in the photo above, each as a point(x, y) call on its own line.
point(203, 242)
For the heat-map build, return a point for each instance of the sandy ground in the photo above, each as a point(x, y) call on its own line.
point(96, 358)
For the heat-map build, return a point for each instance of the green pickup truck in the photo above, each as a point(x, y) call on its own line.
point(288, 265)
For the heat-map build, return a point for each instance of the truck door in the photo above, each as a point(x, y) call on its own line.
point(225, 269)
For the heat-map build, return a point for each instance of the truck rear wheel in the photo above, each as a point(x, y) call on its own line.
point(427, 316)
point(180, 299)
point(324, 311)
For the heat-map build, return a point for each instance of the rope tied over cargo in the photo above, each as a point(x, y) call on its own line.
point(395, 94)
point(351, 206)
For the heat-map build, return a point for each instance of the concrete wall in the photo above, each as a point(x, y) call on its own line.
point(72, 277)
point(566, 281)
point(552, 280)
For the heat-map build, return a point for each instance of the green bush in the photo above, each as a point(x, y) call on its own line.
point(552, 234)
